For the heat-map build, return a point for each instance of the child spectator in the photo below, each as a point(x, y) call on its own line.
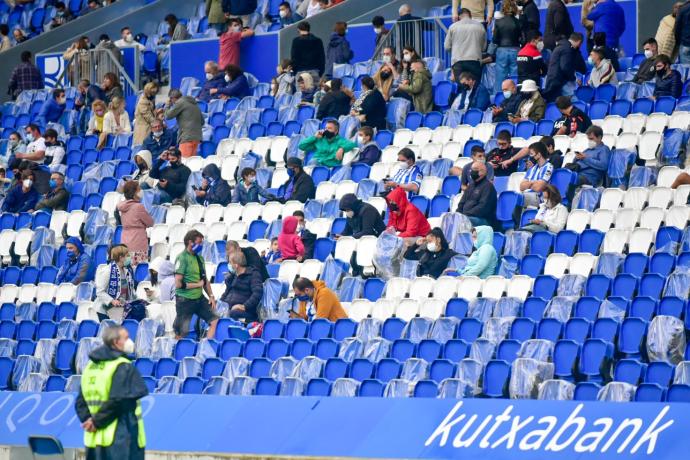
point(289, 242)
point(273, 256)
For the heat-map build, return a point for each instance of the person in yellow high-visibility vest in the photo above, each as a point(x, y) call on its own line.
point(108, 403)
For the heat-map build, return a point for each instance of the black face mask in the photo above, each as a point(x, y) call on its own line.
point(153, 276)
point(464, 87)
point(661, 72)
point(385, 75)
point(328, 134)
point(394, 207)
point(474, 175)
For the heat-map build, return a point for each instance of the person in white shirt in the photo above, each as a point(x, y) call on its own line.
point(55, 150)
point(116, 121)
point(162, 276)
point(36, 148)
point(552, 215)
point(127, 39)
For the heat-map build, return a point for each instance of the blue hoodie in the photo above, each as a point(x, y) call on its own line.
point(608, 17)
point(483, 261)
point(79, 269)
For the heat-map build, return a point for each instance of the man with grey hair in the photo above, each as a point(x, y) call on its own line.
point(189, 121)
point(108, 402)
point(243, 289)
point(409, 30)
point(214, 80)
point(251, 255)
point(56, 199)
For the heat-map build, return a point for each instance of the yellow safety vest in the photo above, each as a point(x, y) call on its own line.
point(95, 388)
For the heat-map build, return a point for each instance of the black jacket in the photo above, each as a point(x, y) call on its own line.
point(333, 105)
point(307, 54)
point(374, 107)
point(530, 64)
point(507, 32)
point(303, 189)
point(176, 176)
point(430, 263)
point(239, 7)
point(245, 289)
point(217, 192)
point(255, 261)
point(366, 221)
point(479, 200)
point(646, 72)
point(509, 105)
point(682, 30)
point(558, 24)
point(577, 121)
point(564, 62)
point(529, 19)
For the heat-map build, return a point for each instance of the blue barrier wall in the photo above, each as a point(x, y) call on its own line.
point(376, 427)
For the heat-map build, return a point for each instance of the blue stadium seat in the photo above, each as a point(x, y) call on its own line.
point(428, 350)
point(277, 348)
point(496, 376)
point(629, 370)
point(678, 393)
point(650, 392)
point(632, 337)
point(212, 367)
point(456, 350)
point(565, 359)
point(386, 369)
point(373, 289)
point(605, 329)
point(326, 348)
point(166, 367)
point(665, 104)
point(586, 391)
point(651, 285)
point(371, 388)
point(598, 110)
point(392, 328)
point(473, 117)
point(301, 348)
point(425, 389)
point(659, 373)
point(267, 386)
point(361, 369)
point(319, 328)
point(621, 107)
point(296, 329)
point(595, 359)
point(643, 105)
point(273, 329)
point(590, 241)
point(55, 383)
point(635, 264)
point(230, 348)
point(533, 307)
point(643, 307)
point(577, 330)
point(254, 348)
point(193, 386)
point(532, 265)
point(344, 328)
point(522, 329)
point(597, 286)
point(260, 367)
point(433, 120)
point(64, 356)
point(624, 285)
point(671, 306)
point(605, 92)
point(413, 120)
point(566, 242)
point(662, 263)
point(508, 350)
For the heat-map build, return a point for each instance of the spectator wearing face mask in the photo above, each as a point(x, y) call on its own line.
point(380, 29)
point(300, 185)
point(316, 300)
point(552, 215)
point(484, 260)
point(145, 113)
point(215, 79)
point(532, 107)
point(419, 88)
point(500, 157)
point(284, 81)
point(115, 285)
point(478, 202)
point(646, 71)
point(214, 189)
point(478, 155)
point(162, 282)
point(668, 81)
point(78, 266)
point(15, 144)
point(386, 77)
point(602, 72)
point(538, 175)
point(98, 110)
point(134, 219)
point(229, 41)
point(409, 177)
point(471, 94)
point(159, 140)
point(404, 218)
point(55, 150)
point(592, 164)
point(327, 145)
point(53, 108)
point(248, 190)
point(287, 16)
point(530, 62)
point(36, 148)
point(172, 180)
point(510, 103)
point(362, 218)
point(236, 84)
point(56, 199)
point(432, 252)
point(370, 106)
point(308, 238)
point(143, 160)
point(369, 151)
point(573, 120)
point(243, 289)
point(127, 39)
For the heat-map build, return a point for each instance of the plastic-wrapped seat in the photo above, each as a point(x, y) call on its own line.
point(398, 388)
point(23, 366)
point(414, 370)
point(526, 376)
point(235, 367)
point(242, 386)
point(443, 329)
point(345, 387)
point(538, 349)
point(678, 285)
point(73, 384)
point(560, 308)
point(163, 347)
point(292, 386)
point(497, 328)
point(308, 368)
point(7, 347)
point(376, 349)
point(666, 339)
point(507, 306)
point(369, 328)
point(283, 368)
point(33, 383)
point(169, 384)
point(217, 385)
point(571, 285)
point(470, 372)
point(85, 347)
point(147, 332)
point(481, 308)
point(45, 352)
point(617, 392)
point(556, 390)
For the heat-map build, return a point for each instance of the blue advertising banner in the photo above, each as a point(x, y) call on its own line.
point(376, 427)
point(51, 66)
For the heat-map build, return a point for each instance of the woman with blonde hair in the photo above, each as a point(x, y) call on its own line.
point(115, 285)
point(144, 113)
point(98, 110)
point(116, 121)
point(305, 83)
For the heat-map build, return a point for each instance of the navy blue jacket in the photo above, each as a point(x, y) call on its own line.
point(216, 82)
point(238, 88)
point(682, 30)
point(670, 85)
point(239, 7)
point(338, 52)
point(609, 18)
point(18, 201)
point(479, 98)
point(50, 111)
point(564, 62)
point(158, 145)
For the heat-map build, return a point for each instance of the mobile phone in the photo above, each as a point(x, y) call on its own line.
point(194, 187)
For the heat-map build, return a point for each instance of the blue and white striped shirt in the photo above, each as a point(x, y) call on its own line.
point(537, 172)
point(408, 176)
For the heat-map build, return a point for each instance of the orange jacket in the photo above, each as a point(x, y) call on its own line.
point(326, 304)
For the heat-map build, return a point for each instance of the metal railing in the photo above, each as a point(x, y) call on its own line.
point(92, 65)
point(426, 36)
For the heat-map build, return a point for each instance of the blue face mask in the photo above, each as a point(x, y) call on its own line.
point(71, 254)
point(231, 269)
point(196, 249)
point(302, 298)
point(52, 183)
point(290, 172)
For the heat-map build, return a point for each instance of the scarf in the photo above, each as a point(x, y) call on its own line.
point(357, 106)
point(114, 281)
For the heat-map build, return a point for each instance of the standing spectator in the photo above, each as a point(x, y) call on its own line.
point(95, 125)
point(78, 266)
point(558, 24)
point(408, 179)
point(236, 84)
point(248, 190)
point(287, 16)
point(481, 10)
point(409, 28)
point(538, 175)
point(335, 103)
point(592, 164)
point(369, 151)
point(162, 276)
point(380, 29)
point(300, 185)
point(79, 60)
point(603, 71)
point(666, 32)
point(668, 81)
point(472, 94)
point(370, 106)
point(307, 54)
point(190, 279)
point(289, 242)
point(242, 8)
point(466, 40)
point(284, 82)
point(106, 44)
point(530, 62)
point(55, 150)
point(111, 87)
point(500, 157)
point(478, 155)
point(215, 79)
point(176, 30)
point(230, 43)
point(127, 39)
point(507, 37)
point(52, 108)
point(116, 121)
point(145, 113)
point(510, 103)
point(533, 106)
point(56, 199)
point(25, 76)
point(189, 121)
point(573, 120)
point(339, 51)
point(214, 189)
point(87, 94)
point(36, 148)
point(608, 17)
point(409, 56)
point(564, 62)
point(172, 181)
point(159, 140)
point(305, 84)
point(316, 301)
point(432, 252)
point(23, 196)
point(403, 217)
point(115, 285)
point(250, 254)
point(587, 6)
point(5, 42)
point(215, 15)
point(419, 88)
point(647, 71)
point(478, 202)
point(483, 261)
point(134, 219)
point(362, 218)
point(530, 19)
point(552, 215)
point(243, 289)
point(143, 160)
point(328, 146)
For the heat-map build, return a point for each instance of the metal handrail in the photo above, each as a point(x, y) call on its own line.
point(412, 33)
point(96, 60)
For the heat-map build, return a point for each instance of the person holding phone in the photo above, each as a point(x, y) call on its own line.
point(172, 181)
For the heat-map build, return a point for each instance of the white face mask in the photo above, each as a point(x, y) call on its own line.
point(431, 247)
point(350, 214)
point(30, 137)
point(227, 78)
point(648, 54)
point(386, 59)
point(591, 144)
point(236, 29)
point(507, 94)
point(27, 183)
point(209, 76)
point(129, 38)
point(378, 30)
point(407, 57)
point(157, 133)
point(128, 347)
point(283, 13)
point(360, 140)
point(540, 46)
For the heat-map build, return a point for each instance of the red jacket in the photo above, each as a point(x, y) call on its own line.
point(408, 221)
point(289, 241)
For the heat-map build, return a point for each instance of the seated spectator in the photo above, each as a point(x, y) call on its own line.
point(408, 179)
point(52, 108)
point(370, 106)
point(248, 190)
point(478, 202)
point(599, 41)
point(335, 103)
point(362, 218)
point(289, 242)
point(409, 56)
point(404, 218)
point(62, 16)
point(159, 140)
point(91, 5)
point(273, 256)
point(135, 219)
point(668, 81)
point(328, 147)
point(5, 42)
point(251, 255)
point(369, 151)
point(287, 16)
point(432, 252)
point(177, 31)
point(23, 196)
point(538, 175)
point(98, 110)
point(115, 285)
point(647, 71)
point(215, 79)
point(313, 7)
point(284, 82)
point(478, 155)
point(324, 88)
point(4, 182)
point(500, 157)
point(19, 35)
point(483, 261)
point(308, 238)
point(472, 94)
point(530, 62)
point(143, 160)
point(127, 39)
point(419, 87)
point(555, 156)
point(55, 150)
point(533, 105)
point(229, 53)
point(300, 185)
point(172, 181)
point(338, 50)
point(316, 301)
point(15, 145)
point(243, 289)
point(36, 148)
point(116, 121)
point(603, 71)
point(111, 87)
point(573, 120)
point(386, 77)
point(78, 267)
point(305, 84)
point(214, 189)
point(56, 199)
point(552, 215)
point(592, 164)
point(236, 82)
point(509, 105)
point(162, 276)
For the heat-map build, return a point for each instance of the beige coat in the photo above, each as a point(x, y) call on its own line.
point(665, 37)
point(144, 116)
point(587, 6)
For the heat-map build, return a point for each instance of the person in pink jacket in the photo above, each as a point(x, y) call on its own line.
point(135, 220)
point(289, 242)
